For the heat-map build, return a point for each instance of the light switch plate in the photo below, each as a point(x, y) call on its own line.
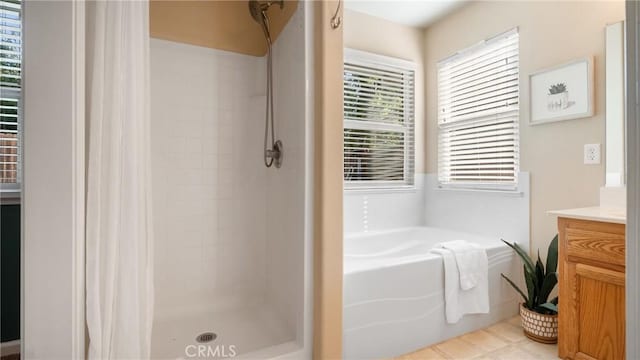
point(592, 154)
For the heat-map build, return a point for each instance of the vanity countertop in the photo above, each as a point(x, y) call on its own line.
point(595, 213)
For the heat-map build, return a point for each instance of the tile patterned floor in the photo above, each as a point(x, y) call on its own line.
point(503, 341)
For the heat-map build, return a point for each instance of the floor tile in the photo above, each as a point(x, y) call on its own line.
point(484, 340)
point(515, 321)
point(503, 341)
point(457, 349)
point(424, 354)
point(507, 332)
point(512, 352)
point(543, 351)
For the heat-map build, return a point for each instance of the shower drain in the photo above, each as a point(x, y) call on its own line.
point(206, 337)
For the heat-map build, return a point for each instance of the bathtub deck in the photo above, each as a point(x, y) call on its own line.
point(504, 340)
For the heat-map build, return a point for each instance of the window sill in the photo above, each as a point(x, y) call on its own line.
point(507, 193)
point(10, 197)
point(381, 190)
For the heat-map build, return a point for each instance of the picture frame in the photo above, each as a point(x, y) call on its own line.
point(563, 92)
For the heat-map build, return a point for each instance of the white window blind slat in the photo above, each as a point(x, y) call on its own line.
point(10, 83)
point(482, 163)
point(381, 72)
point(499, 91)
point(386, 87)
point(497, 125)
point(488, 87)
point(496, 70)
point(485, 50)
point(382, 107)
point(390, 82)
point(478, 117)
point(378, 121)
point(493, 63)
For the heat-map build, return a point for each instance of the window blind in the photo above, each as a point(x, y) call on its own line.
point(10, 79)
point(378, 121)
point(478, 115)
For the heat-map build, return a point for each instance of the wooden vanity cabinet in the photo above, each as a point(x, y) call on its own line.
point(591, 278)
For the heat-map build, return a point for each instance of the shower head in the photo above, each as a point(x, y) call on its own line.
point(258, 12)
point(258, 9)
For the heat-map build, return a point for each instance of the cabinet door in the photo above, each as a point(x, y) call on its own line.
point(599, 320)
point(591, 316)
point(601, 312)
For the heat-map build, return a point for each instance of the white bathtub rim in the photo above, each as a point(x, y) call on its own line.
point(490, 241)
point(353, 264)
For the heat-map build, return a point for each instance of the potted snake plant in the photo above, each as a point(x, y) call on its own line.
point(539, 314)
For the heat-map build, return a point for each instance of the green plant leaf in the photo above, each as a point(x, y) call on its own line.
point(529, 273)
point(531, 289)
point(528, 263)
point(539, 271)
point(552, 255)
point(553, 308)
point(548, 284)
point(524, 297)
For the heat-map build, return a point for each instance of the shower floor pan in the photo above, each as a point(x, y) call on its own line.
point(245, 333)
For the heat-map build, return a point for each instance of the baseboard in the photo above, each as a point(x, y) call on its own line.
point(10, 347)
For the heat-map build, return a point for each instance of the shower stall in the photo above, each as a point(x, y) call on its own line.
point(232, 236)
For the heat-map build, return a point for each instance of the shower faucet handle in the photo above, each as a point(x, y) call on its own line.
point(275, 154)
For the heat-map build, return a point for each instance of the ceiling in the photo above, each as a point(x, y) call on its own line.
point(419, 13)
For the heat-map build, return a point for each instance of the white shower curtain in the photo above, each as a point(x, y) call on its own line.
point(119, 248)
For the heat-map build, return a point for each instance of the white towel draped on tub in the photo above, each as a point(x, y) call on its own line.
point(466, 282)
point(471, 261)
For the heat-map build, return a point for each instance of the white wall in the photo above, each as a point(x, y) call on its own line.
point(495, 214)
point(285, 187)
point(504, 215)
point(376, 210)
point(615, 104)
point(53, 181)
point(208, 178)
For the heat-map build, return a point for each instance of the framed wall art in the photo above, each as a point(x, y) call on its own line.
point(562, 92)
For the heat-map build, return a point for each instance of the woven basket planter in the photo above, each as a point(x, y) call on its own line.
point(539, 327)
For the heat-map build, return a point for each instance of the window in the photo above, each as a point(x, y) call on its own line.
point(10, 76)
point(478, 115)
point(378, 121)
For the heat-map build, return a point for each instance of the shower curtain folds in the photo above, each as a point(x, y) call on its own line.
point(119, 267)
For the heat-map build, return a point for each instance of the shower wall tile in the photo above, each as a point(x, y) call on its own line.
point(286, 191)
point(210, 208)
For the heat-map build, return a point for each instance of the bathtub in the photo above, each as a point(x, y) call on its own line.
point(394, 291)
